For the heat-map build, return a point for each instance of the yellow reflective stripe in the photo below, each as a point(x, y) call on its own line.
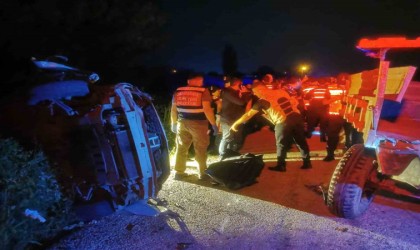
point(191, 88)
point(190, 110)
point(285, 102)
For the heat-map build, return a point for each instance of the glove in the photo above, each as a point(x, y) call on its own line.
point(174, 128)
point(215, 129)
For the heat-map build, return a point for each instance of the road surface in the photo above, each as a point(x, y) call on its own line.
point(280, 211)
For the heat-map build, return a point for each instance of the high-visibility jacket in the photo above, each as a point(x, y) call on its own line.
point(281, 105)
point(188, 101)
point(316, 97)
point(319, 93)
point(335, 107)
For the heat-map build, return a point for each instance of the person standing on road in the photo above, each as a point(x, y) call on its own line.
point(334, 125)
point(216, 105)
point(352, 135)
point(259, 121)
point(317, 111)
point(282, 111)
point(190, 114)
point(294, 88)
point(233, 107)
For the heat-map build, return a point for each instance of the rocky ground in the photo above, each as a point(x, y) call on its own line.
point(198, 215)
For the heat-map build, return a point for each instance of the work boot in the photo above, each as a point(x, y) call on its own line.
point(280, 167)
point(330, 155)
point(180, 176)
point(306, 164)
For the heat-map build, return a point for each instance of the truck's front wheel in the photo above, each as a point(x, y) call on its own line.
point(350, 193)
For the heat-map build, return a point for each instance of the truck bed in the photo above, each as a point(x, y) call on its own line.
point(404, 124)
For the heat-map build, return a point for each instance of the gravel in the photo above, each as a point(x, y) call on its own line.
point(196, 216)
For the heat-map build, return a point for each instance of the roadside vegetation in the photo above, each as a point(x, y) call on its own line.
point(33, 208)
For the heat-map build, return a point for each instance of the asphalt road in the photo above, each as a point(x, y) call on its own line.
point(280, 211)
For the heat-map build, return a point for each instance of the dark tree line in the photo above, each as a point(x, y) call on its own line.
point(229, 61)
point(105, 34)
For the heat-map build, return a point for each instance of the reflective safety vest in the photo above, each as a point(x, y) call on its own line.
point(281, 105)
point(319, 93)
point(188, 101)
point(316, 97)
point(335, 107)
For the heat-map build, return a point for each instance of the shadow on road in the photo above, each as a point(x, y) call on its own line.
point(393, 217)
point(295, 188)
point(301, 189)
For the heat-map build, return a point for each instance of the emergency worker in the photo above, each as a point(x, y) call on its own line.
point(256, 122)
point(317, 111)
point(233, 107)
point(246, 91)
point(294, 88)
point(260, 121)
point(335, 123)
point(268, 81)
point(282, 111)
point(216, 105)
point(352, 135)
point(190, 114)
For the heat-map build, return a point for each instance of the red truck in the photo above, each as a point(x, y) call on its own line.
point(384, 105)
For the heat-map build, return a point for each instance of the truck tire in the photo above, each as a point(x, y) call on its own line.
point(349, 192)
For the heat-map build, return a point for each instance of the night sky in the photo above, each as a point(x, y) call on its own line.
point(283, 34)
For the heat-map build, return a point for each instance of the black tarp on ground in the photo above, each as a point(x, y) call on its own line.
point(236, 170)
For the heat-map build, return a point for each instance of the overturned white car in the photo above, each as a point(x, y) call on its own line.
point(108, 140)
